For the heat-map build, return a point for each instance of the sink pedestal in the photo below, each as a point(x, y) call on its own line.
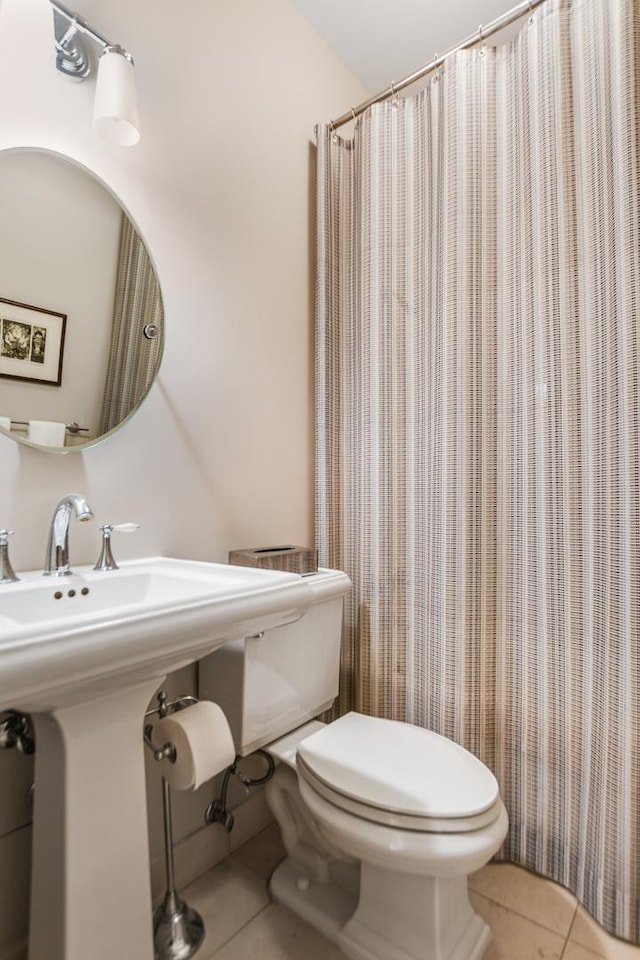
point(90, 888)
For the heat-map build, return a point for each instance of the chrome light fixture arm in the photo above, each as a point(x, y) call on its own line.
point(73, 57)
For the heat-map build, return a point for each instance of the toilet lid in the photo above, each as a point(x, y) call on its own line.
point(400, 768)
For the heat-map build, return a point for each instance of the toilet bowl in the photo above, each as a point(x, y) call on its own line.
point(382, 821)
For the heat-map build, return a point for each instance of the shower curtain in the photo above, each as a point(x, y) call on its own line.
point(478, 448)
point(133, 359)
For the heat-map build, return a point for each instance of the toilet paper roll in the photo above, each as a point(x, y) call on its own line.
point(203, 742)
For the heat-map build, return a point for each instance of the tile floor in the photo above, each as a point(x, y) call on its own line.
point(531, 918)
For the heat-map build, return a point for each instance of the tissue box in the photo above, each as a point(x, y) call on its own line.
point(291, 559)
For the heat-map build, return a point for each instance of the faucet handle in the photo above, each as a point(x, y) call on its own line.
point(105, 560)
point(7, 574)
point(122, 527)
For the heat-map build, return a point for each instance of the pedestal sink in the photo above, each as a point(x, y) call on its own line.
point(84, 654)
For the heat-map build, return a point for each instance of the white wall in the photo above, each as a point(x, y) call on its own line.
point(220, 454)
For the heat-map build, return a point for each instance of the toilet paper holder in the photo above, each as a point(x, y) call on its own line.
point(165, 706)
point(178, 929)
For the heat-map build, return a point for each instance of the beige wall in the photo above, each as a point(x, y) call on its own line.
point(220, 455)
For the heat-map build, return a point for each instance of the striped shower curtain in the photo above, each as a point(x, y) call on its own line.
point(133, 358)
point(478, 445)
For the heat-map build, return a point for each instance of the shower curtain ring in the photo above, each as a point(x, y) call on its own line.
point(394, 94)
point(483, 49)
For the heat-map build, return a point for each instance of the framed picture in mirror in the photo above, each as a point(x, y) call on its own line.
point(31, 343)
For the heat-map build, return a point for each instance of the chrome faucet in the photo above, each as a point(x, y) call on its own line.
point(56, 562)
point(7, 574)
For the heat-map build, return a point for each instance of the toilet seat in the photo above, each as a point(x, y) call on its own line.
point(420, 852)
point(399, 775)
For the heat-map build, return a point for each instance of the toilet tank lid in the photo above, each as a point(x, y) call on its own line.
point(399, 767)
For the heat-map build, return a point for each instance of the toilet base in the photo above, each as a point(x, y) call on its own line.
point(393, 916)
point(325, 906)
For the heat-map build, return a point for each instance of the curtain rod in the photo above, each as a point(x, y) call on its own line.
point(482, 33)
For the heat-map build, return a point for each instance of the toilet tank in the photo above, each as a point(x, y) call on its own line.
point(270, 684)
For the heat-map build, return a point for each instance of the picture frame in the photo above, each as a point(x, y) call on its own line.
point(31, 343)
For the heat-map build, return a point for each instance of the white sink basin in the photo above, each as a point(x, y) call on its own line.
point(148, 584)
point(84, 655)
point(62, 639)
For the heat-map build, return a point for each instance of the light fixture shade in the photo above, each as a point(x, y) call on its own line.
point(115, 108)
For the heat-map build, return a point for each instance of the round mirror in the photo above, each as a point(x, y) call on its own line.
point(81, 317)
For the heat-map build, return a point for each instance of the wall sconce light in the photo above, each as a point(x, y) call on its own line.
point(115, 109)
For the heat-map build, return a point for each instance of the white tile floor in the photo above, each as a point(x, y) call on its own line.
point(531, 918)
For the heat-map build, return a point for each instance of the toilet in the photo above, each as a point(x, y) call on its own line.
point(382, 821)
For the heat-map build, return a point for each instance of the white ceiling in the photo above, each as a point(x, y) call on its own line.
point(385, 40)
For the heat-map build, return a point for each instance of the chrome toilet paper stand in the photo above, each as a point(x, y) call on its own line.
point(178, 929)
